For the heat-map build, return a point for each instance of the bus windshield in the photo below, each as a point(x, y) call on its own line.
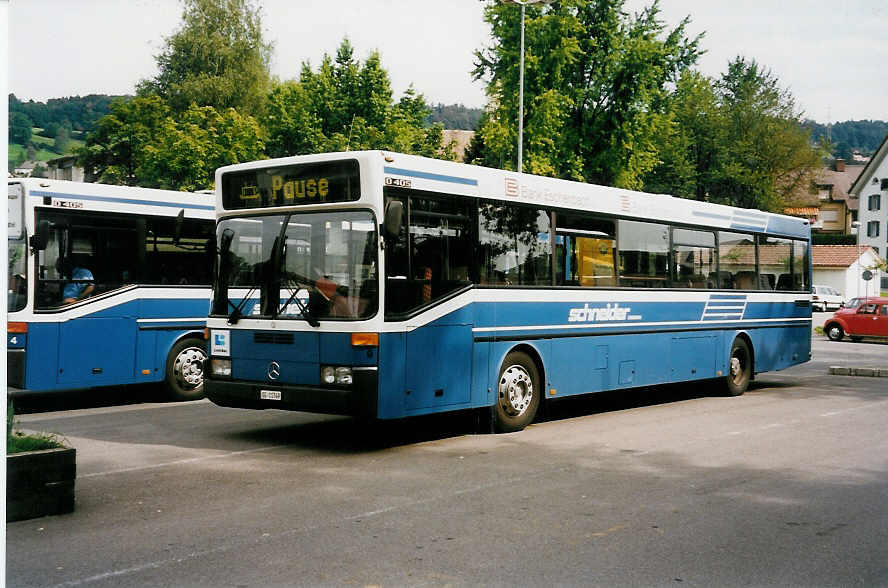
point(300, 266)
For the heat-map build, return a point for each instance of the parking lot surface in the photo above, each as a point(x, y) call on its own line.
point(784, 485)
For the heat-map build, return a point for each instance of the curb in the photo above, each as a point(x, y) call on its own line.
point(859, 371)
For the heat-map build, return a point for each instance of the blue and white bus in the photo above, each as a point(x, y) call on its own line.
point(389, 285)
point(108, 285)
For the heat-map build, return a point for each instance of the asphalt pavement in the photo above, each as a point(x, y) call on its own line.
point(783, 486)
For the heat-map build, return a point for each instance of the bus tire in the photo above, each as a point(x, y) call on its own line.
point(834, 332)
point(184, 370)
point(518, 393)
point(739, 368)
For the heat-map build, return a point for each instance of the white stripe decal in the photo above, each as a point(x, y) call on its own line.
point(623, 324)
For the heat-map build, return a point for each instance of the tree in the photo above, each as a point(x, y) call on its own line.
point(596, 82)
point(185, 151)
point(347, 105)
point(217, 58)
point(113, 151)
point(737, 140)
point(141, 142)
point(62, 139)
point(19, 128)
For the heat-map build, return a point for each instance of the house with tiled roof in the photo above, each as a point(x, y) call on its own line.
point(841, 267)
point(871, 190)
point(828, 205)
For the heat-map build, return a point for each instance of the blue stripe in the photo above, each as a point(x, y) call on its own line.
point(122, 200)
point(430, 176)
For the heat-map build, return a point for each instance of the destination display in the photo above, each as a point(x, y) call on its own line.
point(292, 185)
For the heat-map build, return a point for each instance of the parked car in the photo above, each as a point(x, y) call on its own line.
point(825, 298)
point(867, 318)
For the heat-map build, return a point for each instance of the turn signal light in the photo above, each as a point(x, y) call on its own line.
point(365, 339)
point(16, 327)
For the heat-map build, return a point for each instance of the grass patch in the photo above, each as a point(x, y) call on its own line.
point(17, 441)
point(819, 330)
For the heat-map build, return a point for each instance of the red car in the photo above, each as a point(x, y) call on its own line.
point(861, 317)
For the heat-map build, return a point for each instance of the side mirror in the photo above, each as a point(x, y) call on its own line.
point(40, 239)
point(394, 213)
point(225, 241)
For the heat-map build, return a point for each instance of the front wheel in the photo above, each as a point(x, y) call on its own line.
point(834, 332)
point(518, 393)
point(739, 368)
point(184, 370)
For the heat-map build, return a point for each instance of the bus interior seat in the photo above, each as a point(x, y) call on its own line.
point(745, 280)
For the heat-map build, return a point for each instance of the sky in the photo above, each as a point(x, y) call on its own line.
point(830, 55)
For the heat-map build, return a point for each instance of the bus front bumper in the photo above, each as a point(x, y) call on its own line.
point(359, 399)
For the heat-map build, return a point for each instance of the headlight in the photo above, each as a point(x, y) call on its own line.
point(344, 375)
point(341, 376)
point(220, 367)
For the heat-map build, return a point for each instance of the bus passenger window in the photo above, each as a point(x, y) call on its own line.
point(514, 245)
point(584, 251)
point(775, 257)
point(736, 255)
point(433, 252)
point(644, 253)
point(694, 255)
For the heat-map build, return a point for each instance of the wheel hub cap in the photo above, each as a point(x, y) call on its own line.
point(735, 366)
point(515, 390)
point(189, 367)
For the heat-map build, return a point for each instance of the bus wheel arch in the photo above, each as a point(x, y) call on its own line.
point(741, 365)
point(519, 389)
point(183, 373)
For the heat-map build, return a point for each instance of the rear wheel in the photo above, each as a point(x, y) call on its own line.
point(518, 393)
point(739, 368)
point(834, 332)
point(184, 370)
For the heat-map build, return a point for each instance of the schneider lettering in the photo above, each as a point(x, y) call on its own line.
point(607, 313)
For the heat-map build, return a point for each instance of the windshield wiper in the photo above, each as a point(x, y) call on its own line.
point(237, 313)
point(303, 309)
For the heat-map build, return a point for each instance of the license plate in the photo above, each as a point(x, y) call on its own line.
point(269, 394)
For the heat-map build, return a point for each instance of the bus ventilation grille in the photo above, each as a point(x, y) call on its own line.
point(273, 338)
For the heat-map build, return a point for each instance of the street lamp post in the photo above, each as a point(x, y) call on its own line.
point(521, 79)
point(856, 225)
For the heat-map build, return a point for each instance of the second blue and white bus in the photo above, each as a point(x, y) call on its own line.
point(387, 285)
point(108, 285)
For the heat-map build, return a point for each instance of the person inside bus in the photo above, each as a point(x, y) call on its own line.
point(80, 287)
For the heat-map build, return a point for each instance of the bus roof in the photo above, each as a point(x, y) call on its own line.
point(434, 175)
point(91, 196)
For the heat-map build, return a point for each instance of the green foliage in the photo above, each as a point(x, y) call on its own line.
point(862, 135)
point(76, 112)
point(217, 58)
point(831, 239)
point(454, 116)
point(19, 128)
point(347, 105)
point(17, 442)
point(142, 142)
point(737, 140)
point(114, 150)
point(596, 87)
point(185, 151)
